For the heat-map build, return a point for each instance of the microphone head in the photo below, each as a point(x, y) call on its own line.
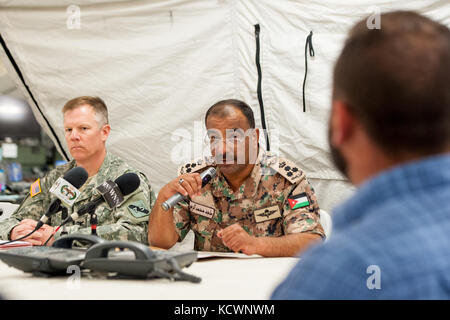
point(128, 183)
point(207, 175)
point(76, 176)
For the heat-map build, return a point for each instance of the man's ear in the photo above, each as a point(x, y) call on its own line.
point(343, 123)
point(253, 156)
point(106, 129)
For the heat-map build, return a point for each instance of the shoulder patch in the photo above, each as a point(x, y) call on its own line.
point(35, 188)
point(138, 209)
point(289, 170)
point(195, 165)
point(298, 201)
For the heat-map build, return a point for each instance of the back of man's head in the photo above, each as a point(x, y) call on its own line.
point(396, 82)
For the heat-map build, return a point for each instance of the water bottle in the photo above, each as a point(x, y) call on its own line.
point(14, 172)
point(2, 181)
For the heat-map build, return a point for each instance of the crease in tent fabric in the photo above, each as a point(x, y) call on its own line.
point(22, 79)
point(259, 88)
point(234, 46)
point(308, 44)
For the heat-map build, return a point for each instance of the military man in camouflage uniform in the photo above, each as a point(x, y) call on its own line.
point(262, 204)
point(86, 130)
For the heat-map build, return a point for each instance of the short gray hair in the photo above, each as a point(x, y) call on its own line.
point(99, 106)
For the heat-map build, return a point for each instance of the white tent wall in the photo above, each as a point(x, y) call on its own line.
point(160, 64)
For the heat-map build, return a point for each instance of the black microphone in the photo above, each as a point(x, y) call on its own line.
point(76, 177)
point(206, 176)
point(111, 192)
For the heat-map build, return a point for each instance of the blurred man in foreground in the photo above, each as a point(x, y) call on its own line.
point(390, 134)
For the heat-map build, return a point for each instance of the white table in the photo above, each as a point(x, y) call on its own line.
point(222, 279)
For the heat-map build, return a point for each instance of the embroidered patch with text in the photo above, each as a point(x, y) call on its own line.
point(202, 210)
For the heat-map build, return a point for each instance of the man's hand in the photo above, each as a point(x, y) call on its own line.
point(25, 227)
point(47, 231)
point(238, 240)
point(191, 185)
point(37, 238)
point(161, 230)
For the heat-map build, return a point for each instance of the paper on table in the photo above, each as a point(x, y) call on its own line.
point(210, 254)
point(14, 244)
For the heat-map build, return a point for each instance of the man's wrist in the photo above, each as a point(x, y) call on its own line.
point(10, 232)
point(258, 244)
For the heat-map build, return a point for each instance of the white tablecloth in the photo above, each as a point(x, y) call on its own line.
point(222, 279)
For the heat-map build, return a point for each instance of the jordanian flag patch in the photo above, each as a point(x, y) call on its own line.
point(298, 201)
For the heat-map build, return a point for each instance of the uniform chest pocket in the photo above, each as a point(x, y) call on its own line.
point(103, 214)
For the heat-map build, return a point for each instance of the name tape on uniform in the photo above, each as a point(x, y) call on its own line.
point(202, 210)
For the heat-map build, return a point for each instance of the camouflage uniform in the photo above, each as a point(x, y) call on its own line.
point(260, 205)
point(126, 222)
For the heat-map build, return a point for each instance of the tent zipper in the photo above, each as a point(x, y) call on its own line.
point(308, 43)
point(259, 90)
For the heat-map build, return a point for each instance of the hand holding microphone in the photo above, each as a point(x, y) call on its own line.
point(185, 185)
point(161, 229)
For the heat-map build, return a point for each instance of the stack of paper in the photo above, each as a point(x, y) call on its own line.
point(14, 244)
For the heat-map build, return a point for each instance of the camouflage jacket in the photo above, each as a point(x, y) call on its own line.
point(126, 222)
point(275, 200)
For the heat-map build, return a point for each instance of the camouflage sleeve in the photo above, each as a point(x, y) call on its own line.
point(181, 219)
point(30, 208)
point(126, 222)
point(301, 210)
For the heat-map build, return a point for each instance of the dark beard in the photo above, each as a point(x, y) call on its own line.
point(336, 156)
